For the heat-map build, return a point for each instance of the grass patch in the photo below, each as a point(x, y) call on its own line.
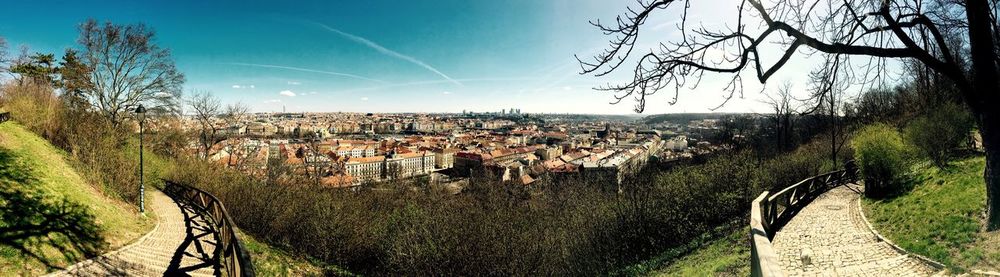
point(725, 256)
point(155, 166)
point(941, 215)
point(39, 174)
point(271, 261)
point(721, 252)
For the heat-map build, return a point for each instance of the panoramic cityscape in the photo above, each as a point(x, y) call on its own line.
point(500, 138)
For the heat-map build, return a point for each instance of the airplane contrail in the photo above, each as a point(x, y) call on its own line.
point(431, 82)
point(307, 70)
point(387, 51)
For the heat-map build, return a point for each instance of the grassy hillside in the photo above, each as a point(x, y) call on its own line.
point(940, 215)
point(723, 252)
point(726, 256)
point(51, 217)
point(271, 261)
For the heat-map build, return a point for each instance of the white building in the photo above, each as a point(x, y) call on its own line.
point(678, 143)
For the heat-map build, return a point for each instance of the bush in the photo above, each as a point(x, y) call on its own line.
point(881, 157)
point(33, 105)
point(936, 135)
point(100, 150)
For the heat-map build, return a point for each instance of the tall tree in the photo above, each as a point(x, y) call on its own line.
point(39, 68)
point(74, 79)
point(128, 69)
point(235, 115)
point(783, 106)
point(206, 109)
point(4, 55)
point(931, 32)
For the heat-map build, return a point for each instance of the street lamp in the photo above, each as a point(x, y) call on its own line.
point(141, 113)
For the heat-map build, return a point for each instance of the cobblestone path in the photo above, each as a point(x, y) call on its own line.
point(829, 238)
point(182, 244)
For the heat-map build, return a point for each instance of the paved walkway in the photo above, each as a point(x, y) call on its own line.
point(829, 238)
point(182, 244)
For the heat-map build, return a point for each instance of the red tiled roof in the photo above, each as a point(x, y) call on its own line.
point(366, 159)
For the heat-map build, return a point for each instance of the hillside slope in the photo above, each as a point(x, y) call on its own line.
point(51, 216)
point(940, 214)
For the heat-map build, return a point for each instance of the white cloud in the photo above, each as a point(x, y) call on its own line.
point(251, 86)
point(242, 86)
point(388, 52)
point(446, 92)
point(272, 101)
point(294, 83)
point(312, 93)
point(237, 86)
point(287, 93)
point(567, 88)
point(364, 98)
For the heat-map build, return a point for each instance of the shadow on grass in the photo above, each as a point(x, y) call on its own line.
point(899, 187)
point(39, 227)
point(908, 181)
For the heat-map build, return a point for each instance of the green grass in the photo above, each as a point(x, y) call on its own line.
point(49, 178)
point(271, 261)
point(725, 256)
point(723, 252)
point(941, 216)
point(154, 165)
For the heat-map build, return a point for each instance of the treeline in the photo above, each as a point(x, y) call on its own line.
point(924, 119)
point(569, 226)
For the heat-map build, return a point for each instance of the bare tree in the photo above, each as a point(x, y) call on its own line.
point(3, 55)
point(829, 85)
point(782, 103)
point(235, 116)
point(933, 33)
point(879, 104)
point(128, 69)
point(236, 113)
point(314, 159)
point(206, 109)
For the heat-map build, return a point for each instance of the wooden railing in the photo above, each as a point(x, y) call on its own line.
point(769, 212)
point(4, 116)
point(233, 254)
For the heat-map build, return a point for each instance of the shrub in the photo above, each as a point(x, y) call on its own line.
point(937, 134)
point(99, 149)
point(33, 105)
point(880, 156)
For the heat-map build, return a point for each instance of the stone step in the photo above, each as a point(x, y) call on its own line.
point(152, 255)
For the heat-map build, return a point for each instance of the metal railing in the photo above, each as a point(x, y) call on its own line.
point(769, 212)
point(4, 116)
point(234, 256)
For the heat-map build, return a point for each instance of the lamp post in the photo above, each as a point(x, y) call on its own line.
point(141, 113)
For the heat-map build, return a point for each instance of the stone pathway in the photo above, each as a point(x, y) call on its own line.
point(829, 238)
point(182, 244)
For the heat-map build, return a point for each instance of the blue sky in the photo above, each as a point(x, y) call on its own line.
point(383, 56)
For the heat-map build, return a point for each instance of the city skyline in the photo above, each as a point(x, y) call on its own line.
point(325, 57)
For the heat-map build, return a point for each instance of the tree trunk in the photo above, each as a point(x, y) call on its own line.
point(991, 142)
point(833, 131)
point(984, 94)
